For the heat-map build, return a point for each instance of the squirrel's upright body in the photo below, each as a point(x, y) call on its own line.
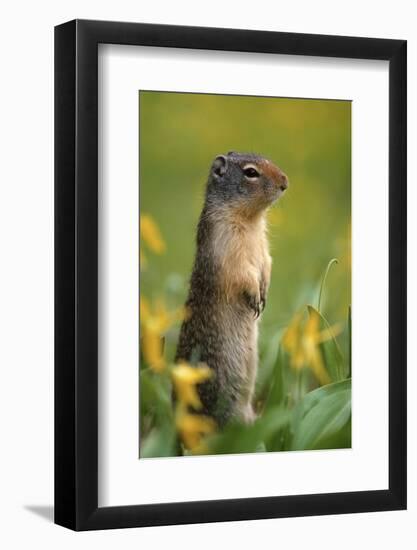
point(229, 282)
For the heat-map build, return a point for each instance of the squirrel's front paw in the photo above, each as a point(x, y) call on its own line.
point(263, 290)
point(254, 302)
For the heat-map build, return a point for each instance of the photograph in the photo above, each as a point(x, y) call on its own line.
point(208, 272)
point(245, 274)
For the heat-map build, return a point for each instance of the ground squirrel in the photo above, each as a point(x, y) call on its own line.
point(229, 282)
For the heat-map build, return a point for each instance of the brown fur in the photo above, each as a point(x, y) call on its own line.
point(241, 249)
point(229, 284)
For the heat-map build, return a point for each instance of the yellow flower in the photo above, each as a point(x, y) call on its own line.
point(292, 341)
point(302, 341)
point(154, 323)
point(185, 378)
point(151, 235)
point(192, 428)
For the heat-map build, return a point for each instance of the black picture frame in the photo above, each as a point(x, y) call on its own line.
point(76, 272)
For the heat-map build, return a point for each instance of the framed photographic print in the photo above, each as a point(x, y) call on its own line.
point(230, 254)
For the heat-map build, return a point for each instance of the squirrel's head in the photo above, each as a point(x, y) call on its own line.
point(245, 182)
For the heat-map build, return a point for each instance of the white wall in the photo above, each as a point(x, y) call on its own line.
point(26, 270)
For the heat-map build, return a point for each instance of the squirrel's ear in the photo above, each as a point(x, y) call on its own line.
point(219, 166)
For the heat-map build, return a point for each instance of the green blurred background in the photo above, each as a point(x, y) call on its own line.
point(310, 140)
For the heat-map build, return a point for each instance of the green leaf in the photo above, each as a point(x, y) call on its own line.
point(276, 394)
point(323, 417)
point(279, 440)
point(240, 438)
point(159, 442)
point(267, 363)
point(323, 281)
point(332, 355)
point(155, 397)
point(349, 365)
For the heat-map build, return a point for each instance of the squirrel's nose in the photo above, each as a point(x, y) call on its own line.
point(283, 181)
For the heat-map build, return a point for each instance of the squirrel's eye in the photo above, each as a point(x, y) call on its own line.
point(251, 172)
